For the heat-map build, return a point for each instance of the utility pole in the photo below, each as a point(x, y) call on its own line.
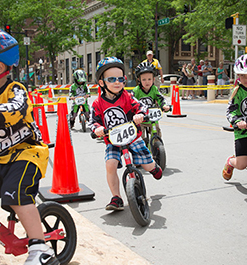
point(27, 61)
point(156, 32)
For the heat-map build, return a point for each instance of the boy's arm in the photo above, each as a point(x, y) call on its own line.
point(138, 106)
point(232, 113)
point(19, 105)
point(95, 120)
point(160, 98)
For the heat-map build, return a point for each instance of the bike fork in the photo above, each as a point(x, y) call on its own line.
point(127, 159)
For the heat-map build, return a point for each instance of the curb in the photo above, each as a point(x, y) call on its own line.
point(94, 246)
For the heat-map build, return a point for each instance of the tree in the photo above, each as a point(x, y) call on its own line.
point(126, 27)
point(59, 25)
point(207, 23)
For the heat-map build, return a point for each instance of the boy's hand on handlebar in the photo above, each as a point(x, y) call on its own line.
point(100, 131)
point(242, 125)
point(72, 98)
point(138, 118)
point(166, 108)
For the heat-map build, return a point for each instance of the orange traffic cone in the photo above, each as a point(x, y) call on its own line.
point(65, 185)
point(229, 128)
point(176, 112)
point(173, 94)
point(41, 121)
point(50, 108)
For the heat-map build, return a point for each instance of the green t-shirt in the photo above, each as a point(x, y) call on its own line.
point(237, 111)
point(151, 98)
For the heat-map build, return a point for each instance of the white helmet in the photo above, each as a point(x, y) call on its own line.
point(240, 66)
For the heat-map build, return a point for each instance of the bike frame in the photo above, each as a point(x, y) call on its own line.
point(153, 135)
point(18, 246)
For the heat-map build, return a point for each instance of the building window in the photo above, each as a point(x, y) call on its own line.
point(97, 55)
point(89, 67)
point(96, 29)
point(203, 47)
point(185, 47)
point(81, 62)
point(67, 71)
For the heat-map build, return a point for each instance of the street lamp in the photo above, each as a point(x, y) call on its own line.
point(40, 64)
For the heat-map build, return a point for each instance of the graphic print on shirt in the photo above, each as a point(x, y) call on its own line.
point(114, 116)
point(13, 132)
point(147, 101)
point(243, 107)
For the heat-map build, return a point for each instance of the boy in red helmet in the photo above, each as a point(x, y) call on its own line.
point(113, 107)
point(23, 156)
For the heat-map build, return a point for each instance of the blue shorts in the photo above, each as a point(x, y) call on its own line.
point(19, 183)
point(140, 153)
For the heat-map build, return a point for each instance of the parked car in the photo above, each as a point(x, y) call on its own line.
point(167, 82)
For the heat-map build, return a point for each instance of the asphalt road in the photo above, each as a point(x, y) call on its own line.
point(196, 216)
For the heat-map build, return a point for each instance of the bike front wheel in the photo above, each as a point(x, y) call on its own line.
point(83, 122)
point(159, 154)
point(54, 216)
point(137, 202)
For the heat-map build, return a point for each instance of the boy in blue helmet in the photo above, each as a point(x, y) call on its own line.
point(113, 107)
point(23, 155)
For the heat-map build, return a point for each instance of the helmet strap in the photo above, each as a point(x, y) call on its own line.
point(114, 94)
point(4, 74)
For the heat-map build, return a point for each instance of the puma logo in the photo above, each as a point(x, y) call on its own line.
point(10, 194)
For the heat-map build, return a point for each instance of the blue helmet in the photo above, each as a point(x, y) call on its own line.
point(106, 63)
point(9, 49)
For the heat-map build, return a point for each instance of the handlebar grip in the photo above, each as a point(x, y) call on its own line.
point(94, 136)
point(146, 118)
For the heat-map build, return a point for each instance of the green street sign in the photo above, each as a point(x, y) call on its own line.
point(163, 21)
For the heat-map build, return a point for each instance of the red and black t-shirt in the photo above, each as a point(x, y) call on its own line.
point(110, 113)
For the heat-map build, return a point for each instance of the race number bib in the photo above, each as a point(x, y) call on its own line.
point(123, 134)
point(155, 114)
point(80, 100)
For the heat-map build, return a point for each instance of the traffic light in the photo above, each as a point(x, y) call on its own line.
point(186, 9)
point(150, 46)
point(229, 22)
point(8, 29)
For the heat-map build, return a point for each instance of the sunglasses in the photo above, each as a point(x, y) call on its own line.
point(113, 79)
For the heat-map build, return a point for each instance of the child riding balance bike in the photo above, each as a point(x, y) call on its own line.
point(116, 106)
point(147, 93)
point(79, 91)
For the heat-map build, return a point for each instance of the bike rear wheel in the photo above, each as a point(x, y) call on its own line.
point(54, 216)
point(159, 154)
point(137, 201)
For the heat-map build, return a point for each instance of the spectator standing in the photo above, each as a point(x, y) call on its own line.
point(200, 77)
point(195, 72)
point(184, 82)
point(157, 66)
point(220, 81)
point(206, 70)
point(190, 79)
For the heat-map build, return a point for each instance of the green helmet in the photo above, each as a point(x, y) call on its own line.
point(79, 76)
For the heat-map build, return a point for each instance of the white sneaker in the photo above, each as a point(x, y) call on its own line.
point(41, 254)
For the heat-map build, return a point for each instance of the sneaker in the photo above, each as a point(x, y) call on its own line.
point(228, 170)
point(41, 254)
point(116, 204)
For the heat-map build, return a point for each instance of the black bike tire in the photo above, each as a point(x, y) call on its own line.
point(159, 154)
point(62, 217)
point(139, 210)
point(83, 123)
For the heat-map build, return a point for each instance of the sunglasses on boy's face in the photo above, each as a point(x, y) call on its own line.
point(112, 79)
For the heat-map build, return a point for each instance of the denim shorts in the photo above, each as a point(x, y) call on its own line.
point(140, 153)
point(19, 183)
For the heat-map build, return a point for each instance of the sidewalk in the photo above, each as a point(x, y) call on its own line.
point(94, 246)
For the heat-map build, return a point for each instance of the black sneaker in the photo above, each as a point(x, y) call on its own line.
point(116, 204)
